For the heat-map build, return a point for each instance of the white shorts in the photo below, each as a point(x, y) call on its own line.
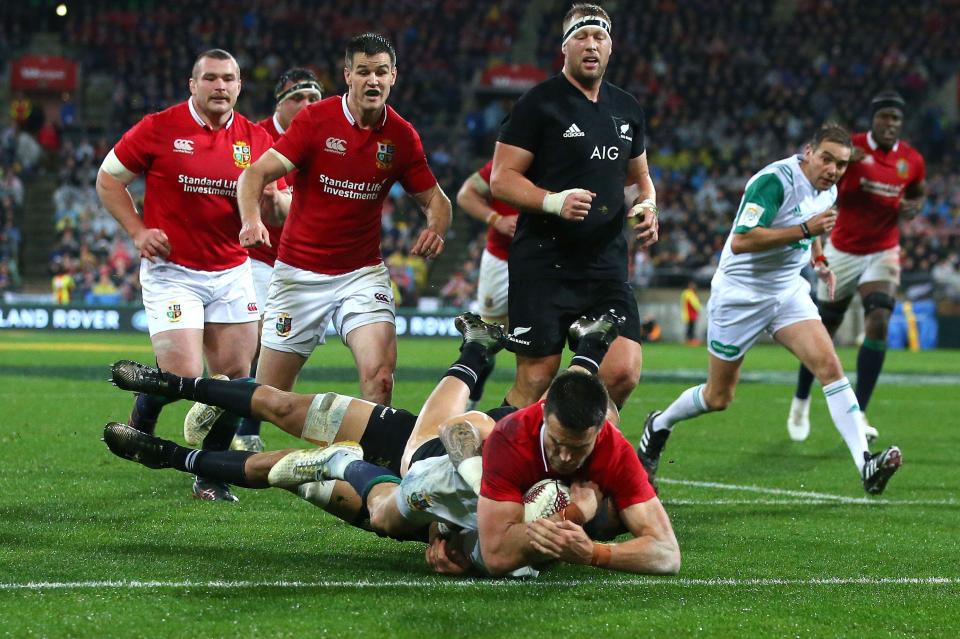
point(301, 304)
point(853, 270)
point(262, 272)
point(492, 286)
point(176, 297)
point(433, 490)
point(738, 315)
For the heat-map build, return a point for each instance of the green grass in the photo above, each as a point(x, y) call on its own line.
point(812, 561)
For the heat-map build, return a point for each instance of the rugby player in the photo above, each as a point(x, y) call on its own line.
point(884, 184)
point(198, 292)
point(758, 288)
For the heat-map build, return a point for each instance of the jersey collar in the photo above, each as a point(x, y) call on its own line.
point(873, 143)
point(200, 121)
point(352, 120)
point(276, 124)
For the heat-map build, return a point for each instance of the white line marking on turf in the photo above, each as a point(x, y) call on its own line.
point(799, 502)
point(803, 494)
point(475, 583)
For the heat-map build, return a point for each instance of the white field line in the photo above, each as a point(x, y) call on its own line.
point(808, 495)
point(476, 583)
point(785, 377)
point(799, 502)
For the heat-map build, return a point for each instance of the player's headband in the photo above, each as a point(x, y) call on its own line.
point(307, 86)
point(584, 22)
point(887, 101)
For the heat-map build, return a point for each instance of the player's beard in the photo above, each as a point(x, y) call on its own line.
point(588, 78)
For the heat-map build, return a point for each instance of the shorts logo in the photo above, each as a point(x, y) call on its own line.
point(903, 168)
point(381, 297)
point(419, 501)
point(336, 145)
point(241, 154)
point(385, 153)
point(183, 146)
point(517, 332)
point(725, 349)
point(173, 312)
point(284, 324)
point(252, 307)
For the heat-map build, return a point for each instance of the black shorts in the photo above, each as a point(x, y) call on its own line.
point(541, 311)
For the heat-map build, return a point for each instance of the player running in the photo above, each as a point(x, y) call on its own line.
point(758, 288)
point(884, 184)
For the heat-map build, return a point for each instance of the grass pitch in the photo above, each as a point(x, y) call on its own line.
point(778, 539)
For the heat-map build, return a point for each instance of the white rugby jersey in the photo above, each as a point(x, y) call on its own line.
point(778, 196)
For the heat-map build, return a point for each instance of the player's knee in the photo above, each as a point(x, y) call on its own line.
point(280, 405)
point(828, 369)
point(876, 322)
point(831, 315)
point(378, 385)
point(622, 381)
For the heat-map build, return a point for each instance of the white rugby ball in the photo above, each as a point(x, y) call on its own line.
point(545, 498)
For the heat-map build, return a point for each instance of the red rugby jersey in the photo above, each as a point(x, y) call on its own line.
point(514, 460)
point(191, 176)
point(497, 243)
point(264, 253)
point(345, 173)
point(870, 194)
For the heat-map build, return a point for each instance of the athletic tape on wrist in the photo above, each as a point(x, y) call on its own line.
point(324, 418)
point(553, 202)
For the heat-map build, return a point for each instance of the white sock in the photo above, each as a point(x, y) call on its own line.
point(317, 493)
point(471, 469)
point(689, 404)
point(846, 415)
point(338, 462)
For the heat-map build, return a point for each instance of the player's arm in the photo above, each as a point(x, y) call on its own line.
point(436, 206)
point(268, 168)
point(640, 196)
point(509, 183)
point(912, 201)
point(822, 267)
point(474, 198)
point(504, 544)
point(112, 180)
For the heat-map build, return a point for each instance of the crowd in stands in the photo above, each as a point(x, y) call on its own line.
point(726, 87)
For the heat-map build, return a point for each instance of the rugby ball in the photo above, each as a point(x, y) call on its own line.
point(545, 498)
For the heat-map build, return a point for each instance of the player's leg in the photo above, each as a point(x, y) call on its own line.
point(176, 350)
point(374, 348)
point(848, 269)
point(878, 304)
point(620, 368)
point(248, 433)
point(493, 285)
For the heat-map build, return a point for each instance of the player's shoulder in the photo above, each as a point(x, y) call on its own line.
point(860, 139)
point(909, 151)
point(547, 90)
point(176, 115)
point(396, 124)
point(620, 96)
point(246, 126)
point(268, 125)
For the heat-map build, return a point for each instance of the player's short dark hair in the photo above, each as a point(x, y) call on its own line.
point(216, 54)
point(577, 400)
point(831, 132)
point(369, 44)
point(295, 75)
point(586, 9)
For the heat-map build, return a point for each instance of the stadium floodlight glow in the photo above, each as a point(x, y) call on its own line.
point(61, 9)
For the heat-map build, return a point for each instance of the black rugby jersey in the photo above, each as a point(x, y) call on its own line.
point(577, 144)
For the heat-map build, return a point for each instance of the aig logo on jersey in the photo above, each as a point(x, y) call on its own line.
point(241, 154)
point(335, 145)
point(605, 153)
point(183, 146)
point(385, 153)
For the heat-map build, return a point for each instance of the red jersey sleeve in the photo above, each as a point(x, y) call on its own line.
point(921, 168)
point(295, 141)
point(619, 474)
point(501, 465)
point(135, 148)
point(486, 171)
point(417, 177)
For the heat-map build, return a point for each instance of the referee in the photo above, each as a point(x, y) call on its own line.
point(571, 157)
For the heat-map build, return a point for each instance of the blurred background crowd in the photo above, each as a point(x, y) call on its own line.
point(726, 87)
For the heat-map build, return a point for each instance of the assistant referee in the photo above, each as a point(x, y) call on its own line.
point(571, 157)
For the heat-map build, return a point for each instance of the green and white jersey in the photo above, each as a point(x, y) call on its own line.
point(780, 195)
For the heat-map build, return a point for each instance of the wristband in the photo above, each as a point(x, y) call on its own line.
point(646, 204)
point(805, 230)
point(492, 218)
point(574, 514)
point(601, 555)
point(821, 259)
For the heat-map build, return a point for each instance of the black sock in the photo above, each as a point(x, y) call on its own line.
point(236, 396)
point(363, 476)
point(590, 352)
point(146, 411)
point(473, 358)
point(869, 362)
point(217, 465)
point(222, 432)
point(386, 435)
point(804, 382)
point(477, 393)
point(249, 426)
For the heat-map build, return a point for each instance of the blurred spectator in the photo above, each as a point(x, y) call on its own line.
point(63, 282)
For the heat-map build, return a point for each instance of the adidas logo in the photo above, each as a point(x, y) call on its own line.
point(573, 132)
